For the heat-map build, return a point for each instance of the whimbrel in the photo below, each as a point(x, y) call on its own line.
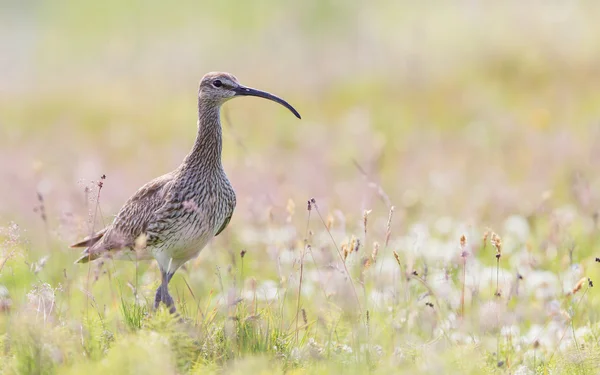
point(173, 217)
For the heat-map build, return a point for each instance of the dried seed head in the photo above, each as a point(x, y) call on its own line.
point(356, 245)
point(579, 285)
point(345, 250)
point(389, 222)
point(365, 219)
point(304, 317)
point(330, 222)
point(388, 231)
point(397, 257)
point(497, 243)
point(486, 234)
point(463, 246)
point(242, 253)
point(366, 263)
point(375, 251)
point(308, 207)
point(590, 283)
point(41, 208)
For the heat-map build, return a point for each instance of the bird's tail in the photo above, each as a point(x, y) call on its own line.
point(93, 244)
point(86, 256)
point(90, 240)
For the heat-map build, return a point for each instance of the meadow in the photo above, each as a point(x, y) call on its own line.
point(435, 211)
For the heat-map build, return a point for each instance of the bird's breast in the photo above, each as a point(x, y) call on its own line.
point(199, 218)
point(187, 238)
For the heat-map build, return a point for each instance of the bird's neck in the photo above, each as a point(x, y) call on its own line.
point(206, 153)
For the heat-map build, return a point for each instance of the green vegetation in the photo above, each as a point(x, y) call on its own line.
point(474, 120)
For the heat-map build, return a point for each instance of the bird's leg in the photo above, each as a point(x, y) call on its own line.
point(158, 297)
point(162, 293)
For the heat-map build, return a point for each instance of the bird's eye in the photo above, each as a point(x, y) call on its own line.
point(217, 83)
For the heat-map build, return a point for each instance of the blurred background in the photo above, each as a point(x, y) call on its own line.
point(463, 117)
point(474, 110)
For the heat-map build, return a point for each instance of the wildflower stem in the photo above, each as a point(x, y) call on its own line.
point(463, 254)
point(462, 297)
point(497, 276)
point(566, 328)
point(340, 255)
point(302, 268)
point(96, 208)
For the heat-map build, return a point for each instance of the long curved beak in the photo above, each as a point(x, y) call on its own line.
point(247, 91)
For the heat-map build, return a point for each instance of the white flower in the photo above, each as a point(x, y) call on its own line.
point(523, 370)
point(517, 227)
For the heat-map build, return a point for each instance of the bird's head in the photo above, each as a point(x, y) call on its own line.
point(219, 87)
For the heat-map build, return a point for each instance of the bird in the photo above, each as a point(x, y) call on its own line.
point(173, 217)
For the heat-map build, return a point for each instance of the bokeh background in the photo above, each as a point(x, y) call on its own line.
point(462, 116)
point(469, 110)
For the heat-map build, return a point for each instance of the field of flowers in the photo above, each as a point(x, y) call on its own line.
point(435, 211)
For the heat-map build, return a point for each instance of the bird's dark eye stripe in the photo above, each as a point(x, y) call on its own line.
point(217, 83)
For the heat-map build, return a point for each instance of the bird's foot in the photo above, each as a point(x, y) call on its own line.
point(162, 295)
point(170, 303)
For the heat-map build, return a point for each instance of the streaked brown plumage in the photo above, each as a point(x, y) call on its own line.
point(173, 217)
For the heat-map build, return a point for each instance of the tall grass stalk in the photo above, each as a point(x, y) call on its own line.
point(314, 203)
point(305, 244)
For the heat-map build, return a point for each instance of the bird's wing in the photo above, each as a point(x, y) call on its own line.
point(131, 221)
point(223, 226)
